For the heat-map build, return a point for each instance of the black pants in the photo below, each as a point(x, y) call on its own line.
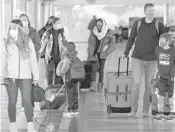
point(25, 86)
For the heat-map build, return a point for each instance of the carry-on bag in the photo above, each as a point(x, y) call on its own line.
point(118, 91)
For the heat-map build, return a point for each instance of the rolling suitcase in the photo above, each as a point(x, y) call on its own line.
point(118, 91)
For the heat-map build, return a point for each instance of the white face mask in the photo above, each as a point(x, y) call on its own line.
point(58, 26)
point(25, 23)
point(14, 34)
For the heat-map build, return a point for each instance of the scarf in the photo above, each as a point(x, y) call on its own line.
point(102, 34)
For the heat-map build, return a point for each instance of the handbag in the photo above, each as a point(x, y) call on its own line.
point(38, 93)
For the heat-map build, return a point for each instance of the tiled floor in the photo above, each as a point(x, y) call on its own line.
point(94, 118)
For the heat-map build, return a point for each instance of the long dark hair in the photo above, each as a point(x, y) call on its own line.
point(49, 24)
point(26, 17)
point(22, 41)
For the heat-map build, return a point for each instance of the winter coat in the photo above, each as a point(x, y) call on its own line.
point(47, 44)
point(15, 66)
point(107, 46)
point(33, 34)
point(105, 43)
point(91, 42)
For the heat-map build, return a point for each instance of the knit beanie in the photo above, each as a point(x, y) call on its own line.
point(70, 46)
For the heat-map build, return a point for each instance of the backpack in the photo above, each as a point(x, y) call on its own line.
point(76, 70)
point(156, 25)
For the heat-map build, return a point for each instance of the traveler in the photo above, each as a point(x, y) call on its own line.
point(19, 66)
point(146, 31)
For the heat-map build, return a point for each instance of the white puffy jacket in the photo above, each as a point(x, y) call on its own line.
point(14, 66)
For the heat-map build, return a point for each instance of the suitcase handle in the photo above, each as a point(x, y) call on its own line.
point(127, 68)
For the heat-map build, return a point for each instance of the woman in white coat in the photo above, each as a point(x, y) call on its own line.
point(19, 66)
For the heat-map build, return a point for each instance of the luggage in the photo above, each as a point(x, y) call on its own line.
point(86, 83)
point(118, 91)
point(38, 93)
point(55, 101)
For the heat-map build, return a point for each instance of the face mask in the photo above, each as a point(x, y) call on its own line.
point(58, 26)
point(14, 34)
point(25, 23)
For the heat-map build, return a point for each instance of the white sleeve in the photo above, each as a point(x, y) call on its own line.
point(3, 60)
point(65, 66)
point(66, 33)
point(58, 69)
point(33, 62)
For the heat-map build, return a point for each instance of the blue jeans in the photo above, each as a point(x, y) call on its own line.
point(72, 94)
point(138, 67)
point(25, 85)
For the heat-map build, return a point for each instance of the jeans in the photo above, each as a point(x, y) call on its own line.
point(72, 94)
point(138, 67)
point(94, 70)
point(51, 71)
point(25, 85)
point(101, 69)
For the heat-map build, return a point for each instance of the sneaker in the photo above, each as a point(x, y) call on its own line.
point(93, 87)
point(132, 114)
point(157, 117)
point(30, 127)
point(145, 114)
point(169, 117)
point(13, 127)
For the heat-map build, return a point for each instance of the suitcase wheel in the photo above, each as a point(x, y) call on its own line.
point(109, 111)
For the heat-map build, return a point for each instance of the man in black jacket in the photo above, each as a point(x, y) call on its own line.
point(144, 59)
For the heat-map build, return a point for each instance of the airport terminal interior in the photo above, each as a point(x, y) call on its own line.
point(75, 16)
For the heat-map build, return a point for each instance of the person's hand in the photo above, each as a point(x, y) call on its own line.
point(169, 23)
point(35, 82)
point(123, 56)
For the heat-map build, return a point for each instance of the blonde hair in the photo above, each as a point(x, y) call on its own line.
point(22, 41)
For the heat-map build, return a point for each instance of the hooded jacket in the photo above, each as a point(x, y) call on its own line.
point(105, 42)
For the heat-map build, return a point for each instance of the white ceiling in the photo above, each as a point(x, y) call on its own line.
point(111, 2)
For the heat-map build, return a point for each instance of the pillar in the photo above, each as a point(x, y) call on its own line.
point(166, 13)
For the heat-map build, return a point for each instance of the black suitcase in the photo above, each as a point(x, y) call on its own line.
point(88, 79)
